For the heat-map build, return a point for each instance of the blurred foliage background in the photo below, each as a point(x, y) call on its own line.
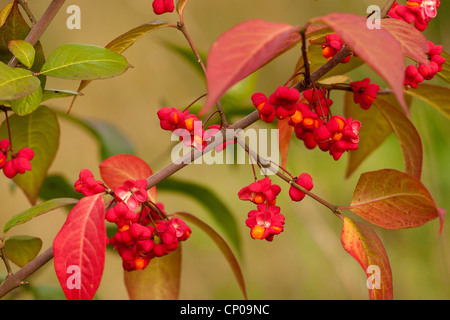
point(307, 260)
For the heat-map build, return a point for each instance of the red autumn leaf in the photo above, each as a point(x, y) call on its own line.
point(407, 135)
point(285, 131)
point(363, 244)
point(377, 47)
point(116, 169)
point(79, 249)
point(413, 42)
point(393, 199)
point(241, 51)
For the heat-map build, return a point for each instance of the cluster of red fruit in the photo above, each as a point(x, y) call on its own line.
point(415, 74)
point(332, 45)
point(143, 230)
point(312, 121)
point(188, 128)
point(18, 163)
point(420, 12)
point(266, 221)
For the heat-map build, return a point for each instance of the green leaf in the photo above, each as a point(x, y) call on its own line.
point(436, 96)
point(23, 51)
point(56, 94)
point(111, 140)
point(22, 249)
point(40, 132)
point(16, 83)
point(84, 62)
point(210, 201)
point(160, 280)
point(37, 210)
point(220, 242)
point(126, 40)
point(28, 104)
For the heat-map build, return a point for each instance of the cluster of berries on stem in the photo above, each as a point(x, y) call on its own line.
point(144, 231)
point(420, 13)
point(311, 117)
point(266, 220)
point(18, 162)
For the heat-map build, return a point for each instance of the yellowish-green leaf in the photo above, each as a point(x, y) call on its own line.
point(16, 83)
point(28, 104)
point(84, 62)
point(22, 249)
point(4, 13)
point(23, 51)
point(436, 96)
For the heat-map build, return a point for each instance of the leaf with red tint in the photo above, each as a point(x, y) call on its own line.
point(375, 127)
point(363, 244)
point(79, 249)
point(413, 42)
point(407, 135)
point(285, 135)
point(393, 199)
point(116, 169)
point(374, 131)
point(160, 280)
point(241, 51)
point(377, 47)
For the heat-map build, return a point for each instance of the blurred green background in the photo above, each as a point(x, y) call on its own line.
point(307, 260)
